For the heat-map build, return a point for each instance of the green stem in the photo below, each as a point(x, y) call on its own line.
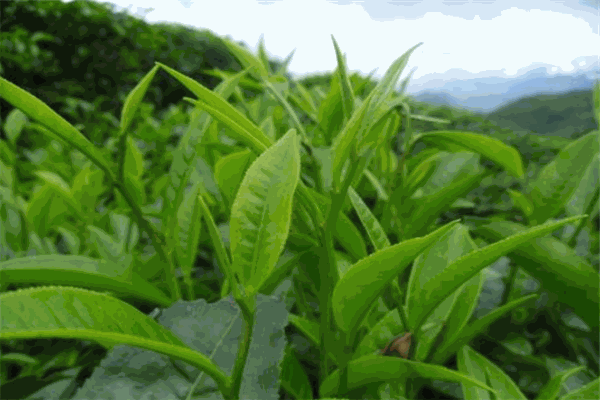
point(584, 221)
point(244, 348)
point(156, 240)
point(328, 270)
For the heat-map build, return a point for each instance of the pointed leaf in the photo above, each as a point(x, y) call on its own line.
point(494, 149)
point(356, 291)
point(262, 210)
point(460, 271)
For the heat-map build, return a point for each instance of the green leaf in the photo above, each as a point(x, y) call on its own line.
point(75, 313)
point(293, 377)
point(559, 179)
point(589, 391)
point(494, 149)
point(134, 159)
point(262, 54)
point(596, 108)
point(454, 313)
point(133, 100)
point(242, 128)
point(422, 173)
point(455, 177)
point(262, 211)
point(376, 233)
point(213, 331)
point(555, 265)
point(39, 111)
point(345, 86)
point(61, 188)
point(331, 113)
point(217, 240)
point(363, 118)
point(479, 368)
point(356, 291)
point(375, 369)
point(44, 209)
point(381, 193)
point(521, 202)
point(350, 237)
point(436, 290)
point(247, 59)
point(452, 344)
point(229, 171)
point(15, 121)
point(187, 232)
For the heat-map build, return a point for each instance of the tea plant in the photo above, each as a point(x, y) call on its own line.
point(283, 191)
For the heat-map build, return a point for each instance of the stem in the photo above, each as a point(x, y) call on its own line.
point(328, 269)
point(584, 221)
point(244, 348)
point(156, 240)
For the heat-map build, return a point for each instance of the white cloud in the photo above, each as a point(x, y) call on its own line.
point(474, 37)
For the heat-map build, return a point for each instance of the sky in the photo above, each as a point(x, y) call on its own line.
point(502, 38)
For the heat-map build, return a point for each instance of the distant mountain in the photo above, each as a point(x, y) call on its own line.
point(483, 94)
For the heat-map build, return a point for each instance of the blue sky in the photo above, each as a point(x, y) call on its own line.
point(501, 38)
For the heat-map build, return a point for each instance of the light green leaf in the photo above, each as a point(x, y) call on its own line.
point(555, 265)
point(452, 344)
point(345, 86)
point(133, 100)
point(479, 368)
point(422, 173)
point(242, 128)
point(356, 291)
point(61, 187)
point(217, 240)
point(262, 55)
point(247, 59)
point(100, 275)
point(460, 271)
point(559, 179)
point(374, 369)
point(15, 121)
point(293, 376)
point(427, 266)
point(134, 159)
point(350, 237)
point(596, 108)
point(521, 202)
point(74, 313)
point(262, 211)
point(589, 391)
point(362, 118)
point(229, 171)
point(40, 112)
point(376, 233)
point(381, 193)
point(494, 149)
point(453, 179)
point(188, 230)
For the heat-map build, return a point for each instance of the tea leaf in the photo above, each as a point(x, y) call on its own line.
point(556, 265)
point(436, 290)
point(375, 369)
point(345, 86)
point(479, 368)
point(134, 98)
point(364, 117)
point(559, 179)
point(360, 286)
point(494, 149)
point(262, 211)
point(88, 272)
point(40, 112)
